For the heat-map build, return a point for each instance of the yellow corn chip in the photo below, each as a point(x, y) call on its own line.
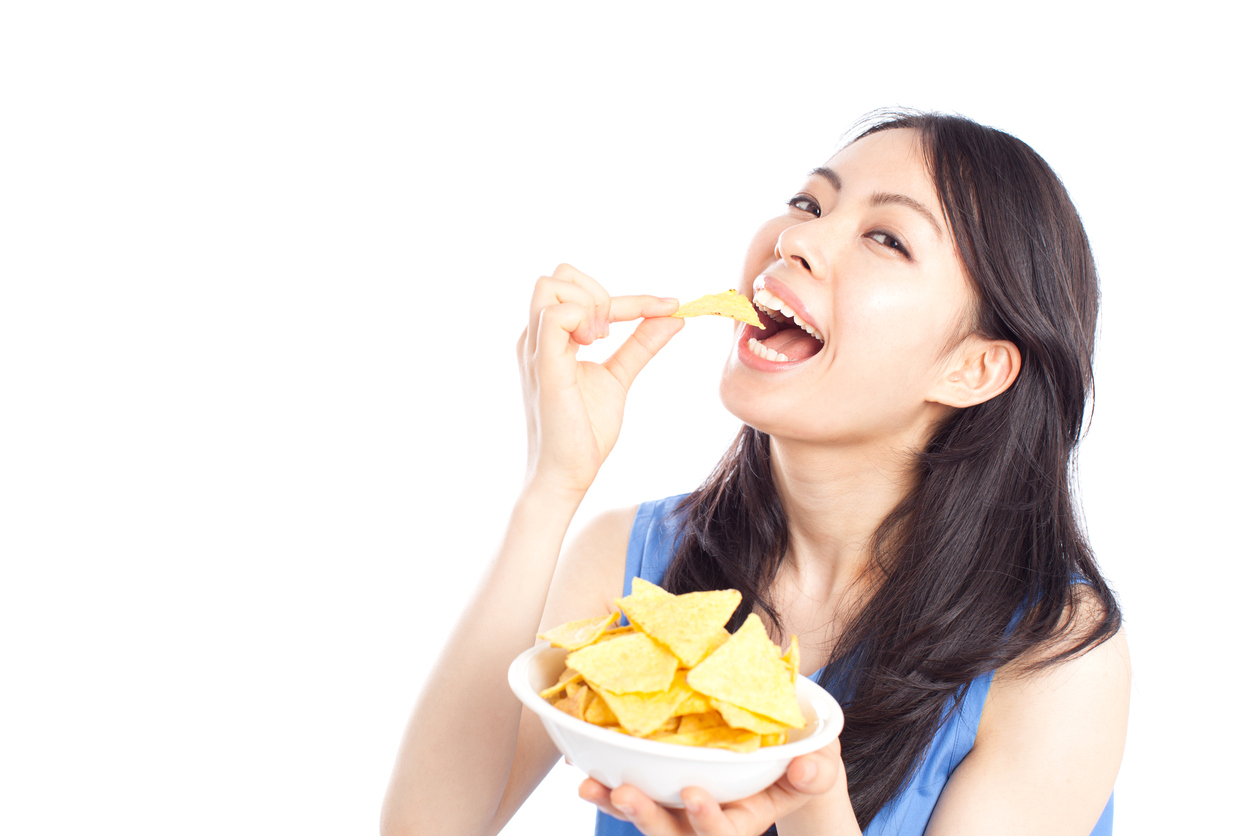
point(748, 672)
point(669, 724)
point(627, 664)
point(566, 678)
point(598, 712)
point(616, 631)
point(676, 675)
point(576, 634)
point(569, 705)
point(583, 697)
point(738, 718)
point(696, 722)
point(689, 625)
point(641, 714)
point(695, 704)
point(729, 303)
point(793, 659)
point(738, 740)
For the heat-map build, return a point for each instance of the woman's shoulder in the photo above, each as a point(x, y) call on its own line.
point(1029, 690)
point(617, 544)
point(1056, 732)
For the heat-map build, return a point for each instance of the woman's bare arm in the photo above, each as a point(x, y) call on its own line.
point(467, 760)
point(471, 755)
point(1047, 750)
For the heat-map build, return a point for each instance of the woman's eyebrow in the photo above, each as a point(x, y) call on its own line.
point(888, 198)
point(828, 175)
point(883, 198)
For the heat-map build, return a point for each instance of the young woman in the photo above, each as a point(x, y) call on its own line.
point(899, 498)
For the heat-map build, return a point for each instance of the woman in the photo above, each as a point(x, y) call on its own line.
point(899, 499)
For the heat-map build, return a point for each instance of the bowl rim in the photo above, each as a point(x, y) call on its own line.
point(827, 731)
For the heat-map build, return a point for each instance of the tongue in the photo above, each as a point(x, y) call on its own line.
point(794, 343)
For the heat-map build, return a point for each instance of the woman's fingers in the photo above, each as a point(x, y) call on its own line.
point(647, 815)
point(568, 285)
point(813, 774)
point(597, 793)
point(550, 292)
point(600, 298)
point(643, 344)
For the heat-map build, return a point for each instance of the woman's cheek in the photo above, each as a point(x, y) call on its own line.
point(761, 252)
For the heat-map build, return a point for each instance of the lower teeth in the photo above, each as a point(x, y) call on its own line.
point(766, 353)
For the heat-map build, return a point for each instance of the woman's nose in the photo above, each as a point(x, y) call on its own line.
point(794, 247)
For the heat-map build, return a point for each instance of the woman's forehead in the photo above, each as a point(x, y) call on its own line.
point(889, 159)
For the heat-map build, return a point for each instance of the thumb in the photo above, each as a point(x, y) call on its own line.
point(643, 344)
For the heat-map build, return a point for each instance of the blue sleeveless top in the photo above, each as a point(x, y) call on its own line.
point(649, 552)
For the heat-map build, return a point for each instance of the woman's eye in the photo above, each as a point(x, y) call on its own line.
point(806, 204)
point(889, 241)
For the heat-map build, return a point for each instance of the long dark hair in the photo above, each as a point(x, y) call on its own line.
point(977, 564)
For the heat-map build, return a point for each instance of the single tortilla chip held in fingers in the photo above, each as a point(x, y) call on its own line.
point(729, 303)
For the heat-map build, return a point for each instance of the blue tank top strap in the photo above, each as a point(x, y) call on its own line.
point(653, 541)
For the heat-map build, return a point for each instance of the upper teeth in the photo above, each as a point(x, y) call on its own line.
point(774, 307)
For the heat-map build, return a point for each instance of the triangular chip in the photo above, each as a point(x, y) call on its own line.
point(738, 718)
point(689, 625)
point(748, 672)
point(642, 714)
point(576, 634)
point(583, 697)
point(695, 704)
point(627, 664)
point(697, 722)
point(737, 740)
point(568, 675)
point(793, 659)
point(729, 303)
point(599, 713)
point(615, 631)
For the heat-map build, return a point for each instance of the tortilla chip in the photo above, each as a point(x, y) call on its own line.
point(598, 712)
point(576, 634)
point(628, 664)
point(793, 659)
point(697, 722)
point(614, 632)
point(695, 704)
point(642, 714)
point(689, 625)
point(737, 740)
point(729, 303)
point(738, 718)
point(748, 672)
point(569, 675)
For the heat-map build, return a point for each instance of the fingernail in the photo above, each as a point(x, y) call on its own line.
point(625, 809)
point(808, 769)
point(670, 299)
point(692, 805)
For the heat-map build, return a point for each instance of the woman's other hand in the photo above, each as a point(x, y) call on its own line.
point(811, 797)
point(575, 408)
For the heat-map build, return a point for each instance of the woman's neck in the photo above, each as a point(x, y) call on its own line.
point(834, 499)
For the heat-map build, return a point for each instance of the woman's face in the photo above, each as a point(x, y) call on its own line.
point(863, 256)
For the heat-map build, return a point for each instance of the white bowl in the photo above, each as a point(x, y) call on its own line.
point(661, 770)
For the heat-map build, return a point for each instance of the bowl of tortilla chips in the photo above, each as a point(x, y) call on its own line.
point(672, 700)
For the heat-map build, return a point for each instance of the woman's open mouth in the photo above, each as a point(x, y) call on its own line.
point(787, 338)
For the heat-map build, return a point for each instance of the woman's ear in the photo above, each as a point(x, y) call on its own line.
point(980, 369)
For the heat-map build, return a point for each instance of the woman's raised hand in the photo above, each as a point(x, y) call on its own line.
point(575, 408)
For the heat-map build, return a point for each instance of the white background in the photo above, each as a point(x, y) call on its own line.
point(263, 269)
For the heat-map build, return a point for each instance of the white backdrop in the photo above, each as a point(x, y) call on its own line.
point(263, 267)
